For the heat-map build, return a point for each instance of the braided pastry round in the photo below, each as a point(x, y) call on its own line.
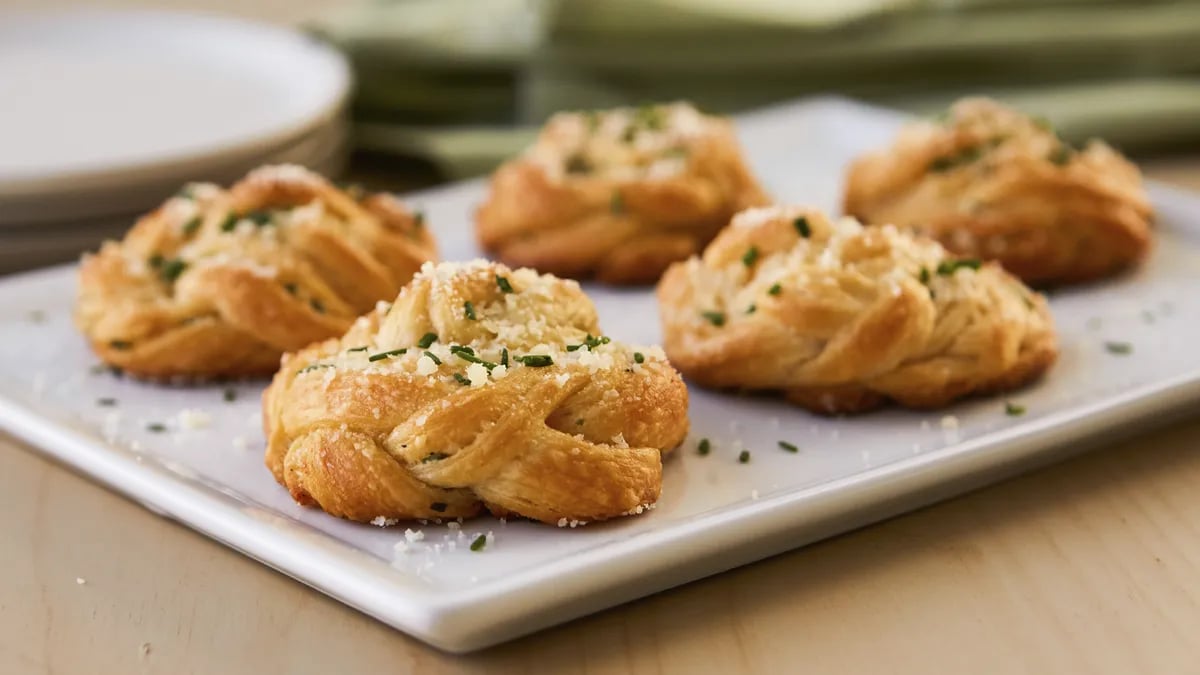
point(994, 183)
point(217, 283)
point(619, 194)
point(480, 387)
point(841, 317)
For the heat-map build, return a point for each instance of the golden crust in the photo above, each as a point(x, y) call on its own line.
point(993, 183)
point(364, 432)
point(849, 317)
point(221, 283)
point(618, 195)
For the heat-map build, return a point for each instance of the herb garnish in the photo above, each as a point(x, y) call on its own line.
point(924, 275)
point(171, 269)
point(744, 457)
point(801, 225)
point(426, 340)
point(467, 354)
point(960, 158)
point(383, 355)
point(192, 225)
point(502, 282)
point(313, 367)
point(231, 221)
point(469, 310)
point(1013, 409)
point(440, 507)
point(230, 395)
point(578, 164)
point(106, 402)
point(462, 379)
point(775, 289)
point(418, 218)
point(358, 349)
point(504, 356)
point(948, 267)
point(752, 309)
point(579, 422)
point(185, 192)
point(535, 360)
point(1121, 348)
point(591, 342)
point(120, 344)
point(750, 256)
point(316, 305)
point(704, 447)
point(715, 318)
point(156, 427)
point(616, 204)
point(291, 288)
point(788, 446)
point(479, 543)
point(433, 357)
point(433, 457)
point(638, 357)
point(1061, 155)
point(259, 217)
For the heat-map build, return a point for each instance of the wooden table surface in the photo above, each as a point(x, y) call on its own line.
point(1088, 566)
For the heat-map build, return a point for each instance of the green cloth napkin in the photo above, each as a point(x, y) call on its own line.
point(463, 83)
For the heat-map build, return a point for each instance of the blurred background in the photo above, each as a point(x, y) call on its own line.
point(114, 110)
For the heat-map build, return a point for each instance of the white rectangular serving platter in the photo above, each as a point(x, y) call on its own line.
point(715, 513)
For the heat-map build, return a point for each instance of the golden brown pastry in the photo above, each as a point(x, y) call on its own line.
point(619, 194)
point(481, 387)
point(993, 183)
point(217, 283)
point(841, 318)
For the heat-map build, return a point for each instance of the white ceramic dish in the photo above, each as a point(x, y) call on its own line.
point(106, 99)
point(714, 514)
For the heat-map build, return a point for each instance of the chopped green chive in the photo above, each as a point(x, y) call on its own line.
point(752, 309)
point(106, 402)
point(1013, 409)
point(469, 310)
point(462, 379)
point(120, 344)
point(801, 225)
point(467, 354)
point(384, 355)
point(315, 366)
point(744, 457)
point(317, 306)
point(358, 349)
point(750, 256)
point(229, 223)
point(715, 318)
point(616, 204)
point(504, 356)
point(788, 446)
point(440, 507)
point(433, 457)
point(260, 217)
point(775, 289)
point(1041, 122)
point(171, 269)
point(1121, 348)
point(479, 543)
point(578, 164)
point(535, 360)
point(291, 288)
point(230, 395)
point(185, 192)
point(704, 447)
point(156, 427)
point(961, 158)
point(155, 260)
point(579, 422)
point(1061, 155)
point(948, 267)
point(924, 275)
point(433, 357)
point(502, 282)
point(638, 357)
point(419, 218)
point(426, 340)
point(192, 225)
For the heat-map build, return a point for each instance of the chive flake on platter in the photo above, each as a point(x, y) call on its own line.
point(715, 318)
point(317, 306)
point(704, 447)
point(775, 289)
point(750, 256)
point(616, 204)
point(802, 227)
point(192, 225)
point(230, 222)
point(505, 286)
point(156, 427)
point(229, 395)
point(120, 344)
point(462, 379)
point(504, 356)
point(469, 311)
point(426, 340)
point(535, 360)
point(315, 366)
point(788, 446)
point(384, 355)
point(106, 402)
point(357, 349)
point(1013, 409)
point(433, 357)
point(744, 457)
point(638, 357)
point(439, 507)
point(479, 543)
point(467, 354)
point(1121, 348)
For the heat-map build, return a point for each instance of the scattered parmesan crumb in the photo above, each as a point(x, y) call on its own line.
point(477, 374)
point(191, 419)
point(381, 521)
point(240, 443)
point(949, 422)
point(80, 580)
point(412, 537)
point(426, 366)
point(754, 495)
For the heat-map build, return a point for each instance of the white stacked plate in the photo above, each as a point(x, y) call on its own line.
point(106, 113)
